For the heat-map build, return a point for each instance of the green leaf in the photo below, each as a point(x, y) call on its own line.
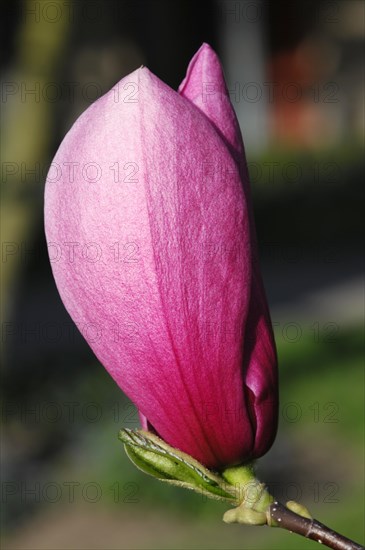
point(155, 457)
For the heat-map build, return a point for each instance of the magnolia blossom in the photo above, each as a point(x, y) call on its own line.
point(152, 243)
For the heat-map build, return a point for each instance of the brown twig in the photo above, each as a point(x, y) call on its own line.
point(310, 528)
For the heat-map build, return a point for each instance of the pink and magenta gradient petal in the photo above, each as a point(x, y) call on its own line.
point(159, 189)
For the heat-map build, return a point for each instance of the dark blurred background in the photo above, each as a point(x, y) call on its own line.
point(296, 79)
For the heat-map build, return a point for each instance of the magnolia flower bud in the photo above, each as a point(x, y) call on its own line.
point(157, 261)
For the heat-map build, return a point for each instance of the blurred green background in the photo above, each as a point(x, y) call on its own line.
point(295, 74)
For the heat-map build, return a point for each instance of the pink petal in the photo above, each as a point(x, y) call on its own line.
point(165, 300)
point(205, 87)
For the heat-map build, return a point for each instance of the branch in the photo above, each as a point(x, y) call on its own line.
point(280, 516)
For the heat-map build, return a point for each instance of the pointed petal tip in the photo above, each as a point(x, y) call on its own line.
point(143, 72)
point(206, 46)
point(146, 79)
point(204, 86)
point(206, 55)
point(204, 66)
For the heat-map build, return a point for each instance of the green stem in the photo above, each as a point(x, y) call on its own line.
point(258, 507)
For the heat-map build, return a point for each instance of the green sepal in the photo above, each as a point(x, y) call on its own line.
point(254, 498)
point(155, 457)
